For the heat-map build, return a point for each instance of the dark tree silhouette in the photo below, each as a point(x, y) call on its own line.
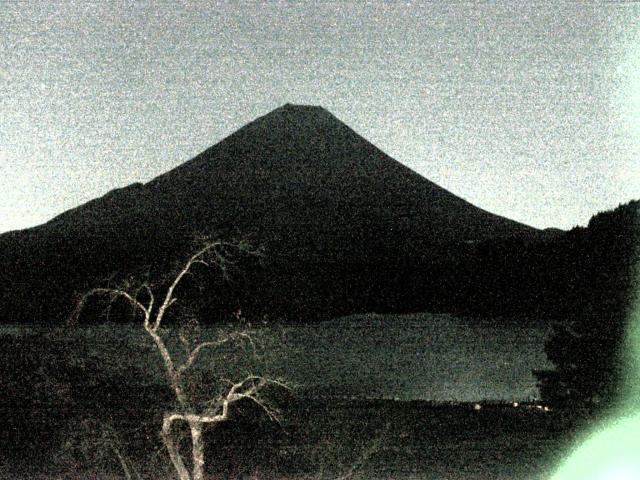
point(585, 346)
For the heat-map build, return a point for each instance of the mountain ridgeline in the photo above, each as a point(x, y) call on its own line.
point(344, 229)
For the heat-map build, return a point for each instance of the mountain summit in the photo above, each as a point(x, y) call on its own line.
point(341, 222)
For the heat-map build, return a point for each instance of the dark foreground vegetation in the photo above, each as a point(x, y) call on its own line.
point(591, 287)
point(62, 414)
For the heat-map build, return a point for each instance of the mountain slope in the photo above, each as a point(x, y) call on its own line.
point(331, 210)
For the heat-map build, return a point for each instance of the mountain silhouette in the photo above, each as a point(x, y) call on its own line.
point(345, 227)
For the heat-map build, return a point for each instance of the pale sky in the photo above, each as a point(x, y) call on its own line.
point(529, 110)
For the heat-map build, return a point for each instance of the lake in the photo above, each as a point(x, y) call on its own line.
point(422, 356)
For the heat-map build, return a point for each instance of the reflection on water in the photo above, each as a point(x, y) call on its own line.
point(419, 356)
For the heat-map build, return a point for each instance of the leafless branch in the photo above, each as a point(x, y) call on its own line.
point(193, 355)
point(147, 289)
point(197, 257)
point(114, 294)
point(244, 389)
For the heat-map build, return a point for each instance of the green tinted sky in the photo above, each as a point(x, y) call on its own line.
point(529, 110)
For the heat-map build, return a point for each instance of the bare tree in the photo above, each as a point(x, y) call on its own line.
point(214, 254)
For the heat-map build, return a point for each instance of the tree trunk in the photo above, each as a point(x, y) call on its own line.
point(197, 450)
point(172, 448)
